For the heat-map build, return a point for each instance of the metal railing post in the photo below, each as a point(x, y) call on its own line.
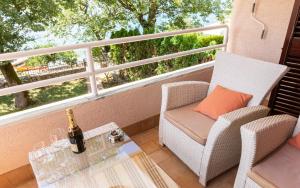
point(91, 69)
point(225, 39)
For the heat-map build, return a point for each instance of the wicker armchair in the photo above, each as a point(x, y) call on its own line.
point(211, 147)
point(260, 138)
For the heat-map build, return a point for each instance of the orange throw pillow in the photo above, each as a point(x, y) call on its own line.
point(295, 141)
point(221, 101)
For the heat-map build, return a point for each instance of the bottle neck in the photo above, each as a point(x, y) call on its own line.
point(72, 122)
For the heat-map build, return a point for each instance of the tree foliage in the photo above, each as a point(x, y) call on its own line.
point(122, 18)
point(134, 51)
point(184, 43)
point(128, 52)
point(161, 14)
point(69, 58)
point(88, 20)
point(99, 18)
point(17, 19)
point(20, 17)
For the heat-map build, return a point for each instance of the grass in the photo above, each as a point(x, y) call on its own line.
point(46, 95)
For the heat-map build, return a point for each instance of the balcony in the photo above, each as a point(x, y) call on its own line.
point(134, 105)
point(121, 104)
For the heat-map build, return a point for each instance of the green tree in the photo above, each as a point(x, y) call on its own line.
point(17, 19)
point(128, 52)
point(89, 20)
point(174, 13)
point(121, 18)
point(68, 57)
point(99, 18)
point(36, 61)
point(183, 43)
point(41, 60)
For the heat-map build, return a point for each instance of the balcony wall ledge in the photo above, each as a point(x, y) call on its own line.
point(14, 118)
point(127, 105)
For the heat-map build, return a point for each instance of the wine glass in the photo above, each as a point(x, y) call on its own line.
point(61, 165)
point(42, 158)
point(40, 152)
point(58, 138)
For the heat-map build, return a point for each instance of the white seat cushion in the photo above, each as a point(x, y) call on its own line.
point(193, 124)
point(281, 168)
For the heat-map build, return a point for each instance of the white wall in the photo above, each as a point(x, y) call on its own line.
point(245, 33)
point(124, 108)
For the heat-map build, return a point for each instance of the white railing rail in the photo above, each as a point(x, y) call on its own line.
point(91, 71)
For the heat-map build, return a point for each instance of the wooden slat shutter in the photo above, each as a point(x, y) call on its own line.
point(285, 98)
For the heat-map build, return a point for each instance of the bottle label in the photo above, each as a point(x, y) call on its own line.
point(74, 147)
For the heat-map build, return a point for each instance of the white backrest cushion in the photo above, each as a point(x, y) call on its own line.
point(246, 75)
point(297, 128)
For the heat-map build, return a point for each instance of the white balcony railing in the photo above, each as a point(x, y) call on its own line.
point(91, 72)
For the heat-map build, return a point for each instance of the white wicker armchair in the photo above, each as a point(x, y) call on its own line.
point(220, 145)
point(259, 139)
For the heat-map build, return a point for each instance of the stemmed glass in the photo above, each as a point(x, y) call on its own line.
point(42, 156)
point(60, 144)
point(58, 138)
point(40, 152)
point(52, 161)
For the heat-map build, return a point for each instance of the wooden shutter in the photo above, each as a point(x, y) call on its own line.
point(285, 98)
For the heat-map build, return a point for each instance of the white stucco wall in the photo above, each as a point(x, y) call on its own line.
point(124, 108)
point(244, 38)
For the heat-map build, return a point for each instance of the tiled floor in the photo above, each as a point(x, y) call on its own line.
point(176, 169)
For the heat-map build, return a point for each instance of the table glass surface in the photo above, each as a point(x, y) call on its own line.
point(103, 164)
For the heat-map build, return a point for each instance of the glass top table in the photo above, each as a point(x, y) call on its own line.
point(103, 164)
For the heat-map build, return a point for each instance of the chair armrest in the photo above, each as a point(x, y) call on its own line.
point(268, 133)
point(178, 94)
point(245, 115)
point(232, 121)
point(259, 138)
point(224, 140)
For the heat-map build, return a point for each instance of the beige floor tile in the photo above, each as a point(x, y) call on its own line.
point(145, 137)
point(188, 179)
point(160, 155)
point(29, 184)
point(23, 174)
point(149, 147)
point(225, 180)
point(151, 134)
point(5, 183)
point(185, 182)
point(153, 131)
point(173, 167)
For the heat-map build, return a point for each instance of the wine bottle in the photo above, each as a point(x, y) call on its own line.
point(75, 134)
